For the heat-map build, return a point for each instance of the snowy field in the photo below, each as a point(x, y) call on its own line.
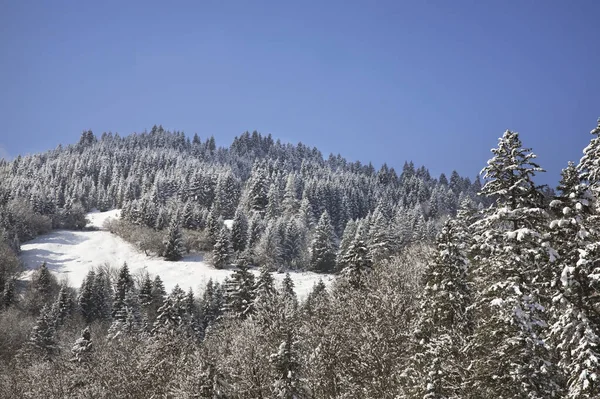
point(71, 254)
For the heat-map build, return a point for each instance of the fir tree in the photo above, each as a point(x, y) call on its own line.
point(83, 347)
point(9, 294)
point(357, 260)
point(286, 363)
point(123, 286)
point(438, 362)
point(173, 317)
point(323, 248)
point(575, 331)
point(239, 231)
point(239, 295)
point(346, 241)
point(510, 358)
point(221, 253)
point(43, 336)
point(173, 243)
point(63, 306)
point(85, 300)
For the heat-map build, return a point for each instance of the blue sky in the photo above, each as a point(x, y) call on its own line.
point(436, 82)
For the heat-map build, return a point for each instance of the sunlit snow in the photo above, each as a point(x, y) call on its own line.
point(71, 254)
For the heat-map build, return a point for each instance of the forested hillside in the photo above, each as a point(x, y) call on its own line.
point(289, 206)
point(445, 288)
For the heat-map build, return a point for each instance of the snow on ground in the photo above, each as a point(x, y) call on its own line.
point(71, 254)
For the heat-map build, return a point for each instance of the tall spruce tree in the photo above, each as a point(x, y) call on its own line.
point(323, 248)
point(173, 243)
point(438, 365)
point(221, 254)
point(509, 356)
point(575, 331)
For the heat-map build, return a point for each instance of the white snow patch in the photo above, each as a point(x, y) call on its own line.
point(71, 254)
point(228, 223)
point(97, 219)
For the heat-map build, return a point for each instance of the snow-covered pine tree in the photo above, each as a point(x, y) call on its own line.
point(83, 347)
point(323, 248)
point(239, 293)
point(221, 254)
point(357, 260)
point(345, 242)
point(102, 295)
point(85, 300)
point(293, 252)
point(42, 341)
point(123, 285)
point(173, 317)
point(575, 331)
point(173, 243)
point(9, 297)
point(63, 306)
point(438, 365)
point(239, 231)
point(509, 356)
point(288, 384)
point(379, 240)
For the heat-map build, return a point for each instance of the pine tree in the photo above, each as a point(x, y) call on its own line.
point(259, 189)
point(239, 295)
point(378, 238)
point(9, 297)
point(102, 296)
point(286, 363)
point(212, 304)
point(287, 293)
point(357, 260)
point(83, 347)
point(437, 366)
point(294, 244)
point(123, 286)
point(510, 358)
point(173, 243)
point(323, 248)
point(128, 319)
point(575, 331)
point(346, 241)
point(173, 317)
point(85, 300)
point(63, 306)
point(221, 254)
point(43, 336)
point(239, 231)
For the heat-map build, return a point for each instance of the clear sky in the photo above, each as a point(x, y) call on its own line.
point(436, 82)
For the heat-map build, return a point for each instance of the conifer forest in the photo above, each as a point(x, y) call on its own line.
point(439, 287)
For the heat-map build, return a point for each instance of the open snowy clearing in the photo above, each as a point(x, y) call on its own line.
point(71, 254)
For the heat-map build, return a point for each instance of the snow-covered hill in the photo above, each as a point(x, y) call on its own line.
point(71, 254)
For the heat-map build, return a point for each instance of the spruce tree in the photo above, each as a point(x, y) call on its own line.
point(83, 347)
point(123, 286)
point(239, 294)
point(173, 243)
point(437, 367)
point(9, 297)
point(63, 306)
point(85, 300)
point(357, 260)
point(346, 241)
point(43, 335)
point(323, 248)
point(286, 362)
point(239, 231)
point(221, 254)
point(509, 356)
point(575, 331)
